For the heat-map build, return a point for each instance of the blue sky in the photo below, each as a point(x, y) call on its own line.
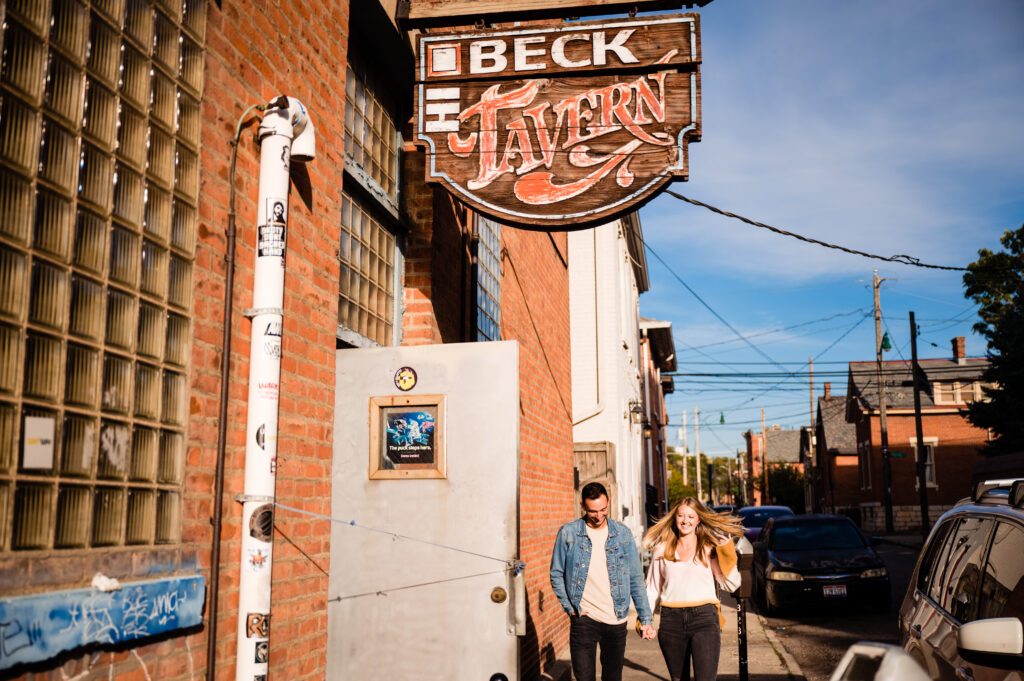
point(887, 127)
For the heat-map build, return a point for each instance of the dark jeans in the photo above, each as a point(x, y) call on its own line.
point(585, 635)
point(689, 634)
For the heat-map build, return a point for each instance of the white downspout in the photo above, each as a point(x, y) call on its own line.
point(285, 134)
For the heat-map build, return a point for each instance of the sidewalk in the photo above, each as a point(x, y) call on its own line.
point(767, 659)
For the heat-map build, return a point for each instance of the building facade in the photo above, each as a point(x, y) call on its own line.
point(129, 171)
point(659, 359)
point(607, 274)
point(951, 443)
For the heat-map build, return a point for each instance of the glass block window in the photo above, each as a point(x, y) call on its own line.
point(488, 279)
point(371, 138)
point(99, 151)
point(366, 300)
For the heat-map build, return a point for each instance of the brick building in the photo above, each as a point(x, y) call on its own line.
point(835, 487)
point(118, 124)
point(783, 449)
point(951, 443)
point(659, 355)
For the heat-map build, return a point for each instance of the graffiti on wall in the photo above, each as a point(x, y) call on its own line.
point(39, 627)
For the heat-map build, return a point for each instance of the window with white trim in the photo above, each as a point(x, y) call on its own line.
point(929, 446)
point(99, 179)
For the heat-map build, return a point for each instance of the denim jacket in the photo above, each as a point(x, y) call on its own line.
point(570, 563)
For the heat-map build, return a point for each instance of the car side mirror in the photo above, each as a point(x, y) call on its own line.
point(996, 643)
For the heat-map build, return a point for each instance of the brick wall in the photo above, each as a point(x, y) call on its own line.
point(256, 51)
point(956, 454)
point(535, 312)
point(437, 273)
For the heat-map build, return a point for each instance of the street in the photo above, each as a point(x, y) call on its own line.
point(817, 638)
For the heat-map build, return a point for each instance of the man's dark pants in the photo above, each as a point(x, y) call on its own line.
point(585, 635)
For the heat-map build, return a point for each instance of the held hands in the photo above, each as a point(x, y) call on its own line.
point(647, 632)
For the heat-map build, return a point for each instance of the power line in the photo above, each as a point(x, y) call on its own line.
point(901, 259)
point(783, 328)
point(705, 304)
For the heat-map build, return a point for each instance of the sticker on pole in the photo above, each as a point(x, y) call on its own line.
point(272, 235)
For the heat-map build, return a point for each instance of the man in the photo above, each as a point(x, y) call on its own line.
point(595, 570)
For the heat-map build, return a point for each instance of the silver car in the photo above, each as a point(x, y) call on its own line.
point(963, 616)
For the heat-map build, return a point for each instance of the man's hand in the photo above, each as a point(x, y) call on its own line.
point(647, 632)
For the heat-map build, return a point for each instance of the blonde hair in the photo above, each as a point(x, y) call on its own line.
point(713, 527)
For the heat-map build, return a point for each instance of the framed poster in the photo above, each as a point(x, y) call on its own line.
point(407, 437)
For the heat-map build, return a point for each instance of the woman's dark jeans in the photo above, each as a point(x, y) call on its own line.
point(585, 635)
point(689, 634)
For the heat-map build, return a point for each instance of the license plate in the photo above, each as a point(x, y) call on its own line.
point(834, 590)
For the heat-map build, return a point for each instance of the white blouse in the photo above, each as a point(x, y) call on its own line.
point(686, 583)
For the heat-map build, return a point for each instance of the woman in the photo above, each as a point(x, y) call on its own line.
point(693, 555)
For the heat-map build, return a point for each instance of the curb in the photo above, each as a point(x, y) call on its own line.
point(792, 666)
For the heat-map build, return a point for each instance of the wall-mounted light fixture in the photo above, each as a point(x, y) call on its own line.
point(636, 412)
point(648, 431)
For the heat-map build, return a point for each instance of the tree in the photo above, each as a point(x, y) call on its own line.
point(785, 487)
point(678, 490)
point(995, 281)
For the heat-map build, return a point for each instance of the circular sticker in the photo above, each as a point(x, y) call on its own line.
point(405, 378)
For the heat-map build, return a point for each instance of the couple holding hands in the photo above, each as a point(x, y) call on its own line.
point(595, 572)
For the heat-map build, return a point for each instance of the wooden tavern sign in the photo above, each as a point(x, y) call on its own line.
point(560, 127)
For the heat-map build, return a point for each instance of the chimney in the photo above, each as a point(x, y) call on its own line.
point(828, 390)
point(960, 350)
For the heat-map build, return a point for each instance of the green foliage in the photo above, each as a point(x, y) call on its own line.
point(995, 281)
point(677, 489)
point(785, 487)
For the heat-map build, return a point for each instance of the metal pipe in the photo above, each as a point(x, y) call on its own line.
point(285, 134)
point(222, 421)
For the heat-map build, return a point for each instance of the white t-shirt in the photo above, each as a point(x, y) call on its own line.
point(596, 601)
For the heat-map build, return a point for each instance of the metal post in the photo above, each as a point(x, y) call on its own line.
point(285, 134)
point(922, 486)
point(696, 430)
point(741, 635)
point(886, 467)
point(764, 462)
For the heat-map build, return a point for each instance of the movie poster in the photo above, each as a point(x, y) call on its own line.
point(408, 437)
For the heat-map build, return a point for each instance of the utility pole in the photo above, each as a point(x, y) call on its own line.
point(922, 487)
point(764, 462)
point(886, 468)
point(811, 474)
point(696, 435)
point(685, 451)
point(730, 490)
point(810, 362)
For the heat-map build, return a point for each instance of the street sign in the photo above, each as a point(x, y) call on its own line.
point(562, 126)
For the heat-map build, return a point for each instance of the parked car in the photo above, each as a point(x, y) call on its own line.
point(871, 661)
point(962, 615)
point(813, 559)
point(754, 518)
point(724, 508)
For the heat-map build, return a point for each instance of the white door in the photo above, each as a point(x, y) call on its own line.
point(424, 584)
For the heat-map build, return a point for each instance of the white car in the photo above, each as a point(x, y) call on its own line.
point(962, 618)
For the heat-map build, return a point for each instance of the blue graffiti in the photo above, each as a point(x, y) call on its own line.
point(39, 627)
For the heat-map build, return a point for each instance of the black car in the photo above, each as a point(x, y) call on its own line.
point(754, 518)
point(816, 559)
